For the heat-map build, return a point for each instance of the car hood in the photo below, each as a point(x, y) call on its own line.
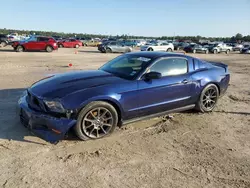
point(61, 85)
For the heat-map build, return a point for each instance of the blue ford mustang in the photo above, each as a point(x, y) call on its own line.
point(130, 87)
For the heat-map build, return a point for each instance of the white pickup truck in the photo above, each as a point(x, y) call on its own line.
point(218, 48)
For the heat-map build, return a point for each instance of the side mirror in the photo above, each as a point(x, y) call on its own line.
point(152, 75)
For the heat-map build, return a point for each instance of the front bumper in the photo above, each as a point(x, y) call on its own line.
point(51, 129)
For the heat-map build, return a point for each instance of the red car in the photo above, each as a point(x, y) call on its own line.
point(69, 43)
point(36, 43)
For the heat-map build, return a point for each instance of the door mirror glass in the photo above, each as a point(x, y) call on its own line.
point(152, 75)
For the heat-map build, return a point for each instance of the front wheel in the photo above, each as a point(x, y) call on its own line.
point(60, 46)
point(215, 51)
point(108, 50)
point(98, 119)
point(228, 51)
point(49, 49)
point(194, 51)
point(150, 49)
point(19, 49)
point(3, 44)
point(169, 50)
point(208, 98)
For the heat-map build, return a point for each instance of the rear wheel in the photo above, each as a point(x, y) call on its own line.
point(49, 49)
point(228, 51)
point(60, 46)
point(194, 51)
point(77, 46)
point(150, 49)
point(208, 98)
point(98, 119)
point(206, 52)
point(19, 49)
point(128, 50)
point(215, 51)
point(169, 50)
point(3, 44)
point(108, 50)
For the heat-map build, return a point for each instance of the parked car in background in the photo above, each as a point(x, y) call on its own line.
point(129, 88)
point(3, 40)
point(69, 43)
point(140, 43)
point(237, 47)
point(218, 48)
point(196, 48)
point(181, 45)
point(93, 43)
point(246, 49)
point(129, 43)
point(167, 47)
point(37, 43)
point(115, 46)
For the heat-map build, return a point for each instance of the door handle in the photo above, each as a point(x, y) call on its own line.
point(184, 81)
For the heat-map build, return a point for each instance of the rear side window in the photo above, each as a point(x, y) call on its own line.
point(170, 67)
point(42, 39)
point(112, 43)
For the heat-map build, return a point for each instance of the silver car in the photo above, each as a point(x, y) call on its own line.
point(117, 47)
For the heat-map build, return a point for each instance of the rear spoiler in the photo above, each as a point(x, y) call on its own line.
point(219, 64)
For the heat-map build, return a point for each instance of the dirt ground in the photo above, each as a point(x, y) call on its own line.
point(191, 150)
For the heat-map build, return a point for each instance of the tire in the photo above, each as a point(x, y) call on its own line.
point(128, 50)
point(49, 49)
point(19, 48)
point(208, 99)
point(3, 44)
point(96, 120)
point(108, 50)
point(215, 51)
point(228, 51)
point(77, 46)
point(169, 50)
point(206, 52)
point(60, 46)
point(194, 51)
point(150, 49)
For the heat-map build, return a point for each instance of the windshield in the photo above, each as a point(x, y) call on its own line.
point(126, 66)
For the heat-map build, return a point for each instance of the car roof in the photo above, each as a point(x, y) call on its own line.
point(153, 54)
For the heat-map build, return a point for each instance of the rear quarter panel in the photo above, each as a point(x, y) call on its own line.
point(206, 76)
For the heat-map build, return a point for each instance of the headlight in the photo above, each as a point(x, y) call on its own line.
point(55, 106)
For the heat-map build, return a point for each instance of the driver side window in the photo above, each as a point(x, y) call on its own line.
point(170, 66)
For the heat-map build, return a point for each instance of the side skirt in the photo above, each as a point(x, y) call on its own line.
point(159, 114)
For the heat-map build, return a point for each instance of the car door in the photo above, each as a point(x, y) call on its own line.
point(121, 47)
point(114, 46)
point(66, 43)
point(73, 43)
point(172, 90)
point(31, 44)
point(41, 43)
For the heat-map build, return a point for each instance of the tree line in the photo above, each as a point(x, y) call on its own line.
point(237, 38)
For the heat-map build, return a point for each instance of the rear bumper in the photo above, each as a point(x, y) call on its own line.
point(49, 128)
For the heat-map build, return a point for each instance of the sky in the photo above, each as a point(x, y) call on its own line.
point(132, 17)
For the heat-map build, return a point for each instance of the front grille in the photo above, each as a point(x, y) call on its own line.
point(35, 103)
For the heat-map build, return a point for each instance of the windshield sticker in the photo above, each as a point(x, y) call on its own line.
point(143, 59)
